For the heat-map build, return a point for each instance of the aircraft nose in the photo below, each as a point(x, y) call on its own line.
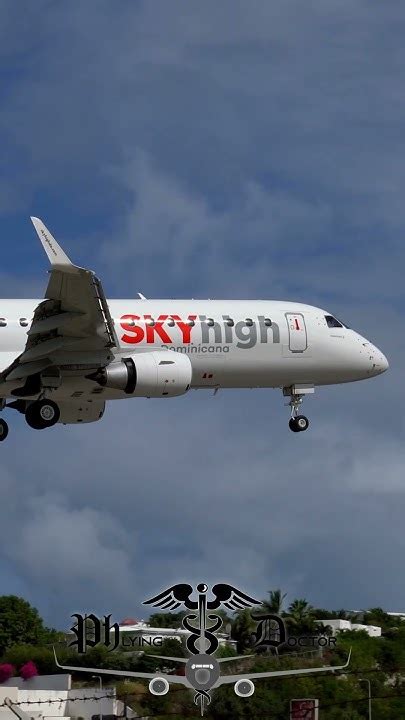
point(380, 362)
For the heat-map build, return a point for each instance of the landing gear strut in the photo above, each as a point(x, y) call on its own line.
point(42, 414)
point(297, 423)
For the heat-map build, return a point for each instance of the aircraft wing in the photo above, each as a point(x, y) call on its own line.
point(175, 679)
point(73, 324)
point(225, 679)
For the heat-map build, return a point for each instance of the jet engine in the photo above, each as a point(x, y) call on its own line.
point(159, 686)
point(244, 688)
point(151, 374)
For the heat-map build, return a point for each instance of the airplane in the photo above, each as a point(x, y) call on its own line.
point(63, 358)
point(202, 674)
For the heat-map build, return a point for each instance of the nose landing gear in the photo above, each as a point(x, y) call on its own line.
point(297, 423)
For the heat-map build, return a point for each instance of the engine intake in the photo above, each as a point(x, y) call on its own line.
point(244, 688)
point(159, 686)
point(149, 374)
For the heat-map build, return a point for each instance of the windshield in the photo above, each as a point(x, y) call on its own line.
point(333, 322)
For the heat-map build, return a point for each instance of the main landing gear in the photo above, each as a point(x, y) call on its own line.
point(42, 414)
point(3, 429)
point(297, 423)
point(39, 414)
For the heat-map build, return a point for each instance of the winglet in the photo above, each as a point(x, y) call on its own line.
point(56, 255)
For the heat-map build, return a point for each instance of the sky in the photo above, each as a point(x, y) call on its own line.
point(218, 149)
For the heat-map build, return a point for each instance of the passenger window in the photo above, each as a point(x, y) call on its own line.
point(3, 322)
point(267, 322)
point(24, 322)
point(210, 322)
point(150, 322)
point(332, 322)
point(191, 323)
point(230, 322)
point(170, 322)
point(249, 322)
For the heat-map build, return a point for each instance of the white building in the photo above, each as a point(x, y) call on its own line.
point(399, 615)
point(338, 625)
point(66, 702)
point(140, 633)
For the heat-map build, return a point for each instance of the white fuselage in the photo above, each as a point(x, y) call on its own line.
point(230, 343)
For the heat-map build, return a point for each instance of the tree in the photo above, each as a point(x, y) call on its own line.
point(166, 620)
point(19, 623)
point(19, 655)
point(301, 616)
point(275, 602)
point(242, 629)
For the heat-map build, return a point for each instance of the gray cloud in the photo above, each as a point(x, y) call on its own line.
point(229, 150)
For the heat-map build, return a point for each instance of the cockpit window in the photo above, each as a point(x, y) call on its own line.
point(332, 322)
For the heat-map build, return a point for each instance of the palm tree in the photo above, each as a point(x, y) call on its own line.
point(243, 628)
point(274, 606)
point(275, 602)
point(301, 616)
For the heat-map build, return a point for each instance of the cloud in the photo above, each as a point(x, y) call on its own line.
point(65, 548)
point(229, 150)
point(173, 231)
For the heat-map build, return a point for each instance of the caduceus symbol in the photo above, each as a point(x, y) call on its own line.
point(202, 638)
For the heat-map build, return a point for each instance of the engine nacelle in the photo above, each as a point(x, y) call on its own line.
point(80, 412)
point(244, 688)
point(159, 686)
point(150, 374)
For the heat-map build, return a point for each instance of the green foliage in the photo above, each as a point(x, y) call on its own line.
point(20, 623)
point(43, 657)
point(166, 620)
point(97, 657)
point(225, 651)
point(275, 602)
point(242, 629)
point(301, 617)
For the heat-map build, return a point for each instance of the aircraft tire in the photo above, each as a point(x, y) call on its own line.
point(42, 414)
point(3, 430)
point(302, 423)
point(299, 423)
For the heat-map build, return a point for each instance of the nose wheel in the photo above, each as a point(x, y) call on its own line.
point(297, 423)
